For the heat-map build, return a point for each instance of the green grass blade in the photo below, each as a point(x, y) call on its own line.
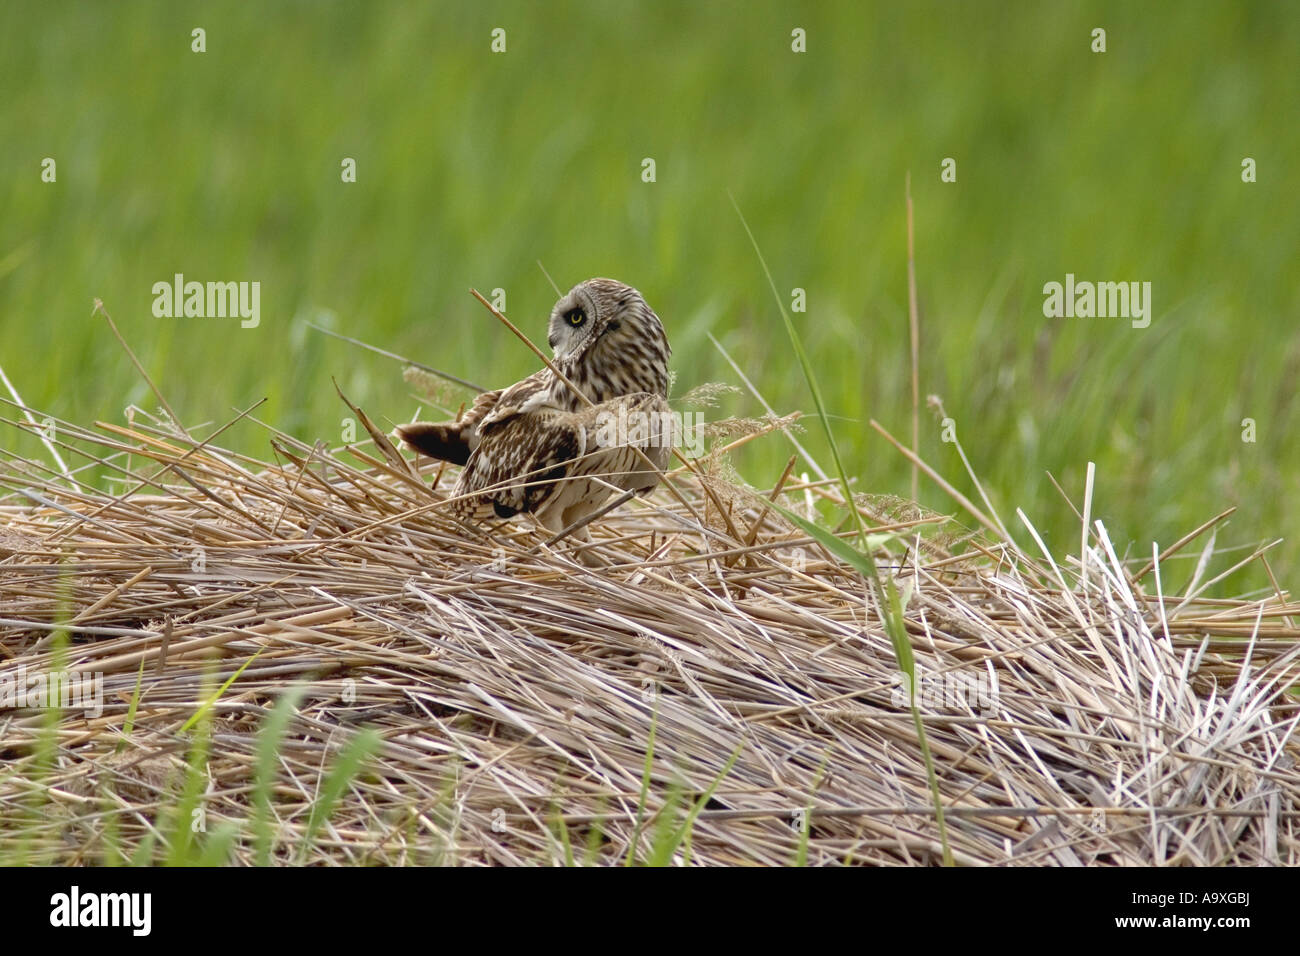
point(216, 851)
point(129, 724)
point(645, 787)
point(359, 749)
point(264, 772)
point(886, 594)
point(207, 704)
point(688, 825)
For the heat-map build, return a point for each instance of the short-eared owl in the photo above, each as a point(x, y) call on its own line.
point(536, 447)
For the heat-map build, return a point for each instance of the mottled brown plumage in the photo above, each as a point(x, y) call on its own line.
point(535, 446)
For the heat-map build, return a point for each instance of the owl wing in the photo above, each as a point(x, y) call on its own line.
point(456, 441)
point(522, 398)
point(519, 458)
point(554, 463)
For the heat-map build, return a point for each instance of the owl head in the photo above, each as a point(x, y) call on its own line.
point(607, 317)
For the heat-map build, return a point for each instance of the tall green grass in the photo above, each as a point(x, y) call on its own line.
point(862, 557)
point(225, 165)
point(1124, 165)
point(176, 830)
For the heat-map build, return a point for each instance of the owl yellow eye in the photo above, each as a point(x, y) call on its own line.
point(575, 317)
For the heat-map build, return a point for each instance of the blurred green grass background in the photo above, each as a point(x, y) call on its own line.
point(1126, 165)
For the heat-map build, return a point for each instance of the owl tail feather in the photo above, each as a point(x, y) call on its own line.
point(446, 442)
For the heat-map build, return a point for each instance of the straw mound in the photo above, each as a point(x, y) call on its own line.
point(1070, 720)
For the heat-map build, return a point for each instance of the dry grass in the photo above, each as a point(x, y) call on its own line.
point(517, 691)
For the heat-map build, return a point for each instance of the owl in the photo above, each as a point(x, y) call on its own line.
point(536, 447)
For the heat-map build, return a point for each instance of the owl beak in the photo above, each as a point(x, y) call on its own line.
point(552, 341)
